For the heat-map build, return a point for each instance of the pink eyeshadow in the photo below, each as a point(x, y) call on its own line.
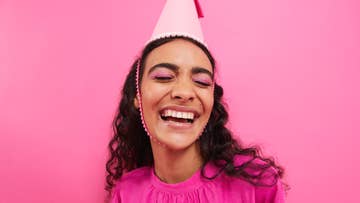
point(203, 79)
point(156, 74)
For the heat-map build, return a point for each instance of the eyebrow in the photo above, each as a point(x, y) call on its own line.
point(196, 70)
point(175, 68)
point(170, 66)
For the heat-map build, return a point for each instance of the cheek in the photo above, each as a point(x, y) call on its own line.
point(152, 94)
point(207, 99)
point(148, 97)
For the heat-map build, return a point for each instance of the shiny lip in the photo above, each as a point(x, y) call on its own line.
point(181, 109)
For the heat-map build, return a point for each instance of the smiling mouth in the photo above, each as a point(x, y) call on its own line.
point(177, 116)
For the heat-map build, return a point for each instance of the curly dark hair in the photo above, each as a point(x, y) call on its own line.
point(130, 145)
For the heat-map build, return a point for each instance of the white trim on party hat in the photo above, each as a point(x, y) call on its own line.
point(179, 18)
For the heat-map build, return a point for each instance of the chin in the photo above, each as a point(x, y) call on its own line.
point(177, 142)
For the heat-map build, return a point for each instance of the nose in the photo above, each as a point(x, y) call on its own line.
point(183, 91)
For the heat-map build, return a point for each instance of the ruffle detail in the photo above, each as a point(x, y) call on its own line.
point(203, 193)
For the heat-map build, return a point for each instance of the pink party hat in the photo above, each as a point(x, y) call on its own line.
point(179, 18)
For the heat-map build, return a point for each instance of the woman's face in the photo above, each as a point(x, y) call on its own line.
point(177, 93)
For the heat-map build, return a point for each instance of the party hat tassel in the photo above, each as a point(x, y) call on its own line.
point(198, 9)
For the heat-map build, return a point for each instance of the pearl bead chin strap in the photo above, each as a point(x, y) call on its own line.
point(138, 95)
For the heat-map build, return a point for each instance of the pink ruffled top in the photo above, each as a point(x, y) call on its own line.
point(142, 185)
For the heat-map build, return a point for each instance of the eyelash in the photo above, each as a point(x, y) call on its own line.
point(202, 83)
point(167, 78)
point(163, 78)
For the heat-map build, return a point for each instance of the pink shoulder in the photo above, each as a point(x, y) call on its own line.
point(263, 172)
point(271, 194)
point(133, 179)
point(131, 183)
point(270, 188)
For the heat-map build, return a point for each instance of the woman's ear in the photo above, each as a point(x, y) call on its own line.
point(136, 102)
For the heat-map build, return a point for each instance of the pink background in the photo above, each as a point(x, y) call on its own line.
point(290, 70)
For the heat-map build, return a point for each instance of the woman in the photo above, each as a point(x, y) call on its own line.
point(170, 142)
point(183, 152)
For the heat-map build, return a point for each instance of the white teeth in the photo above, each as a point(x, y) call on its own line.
point(178, 114)
point(167, 113)
point(191, 116)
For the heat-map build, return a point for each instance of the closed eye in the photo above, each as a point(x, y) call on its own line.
point(206, 84)
point(203, 80)
point(163, 78)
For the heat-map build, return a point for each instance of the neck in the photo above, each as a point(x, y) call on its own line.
point(174, 166)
